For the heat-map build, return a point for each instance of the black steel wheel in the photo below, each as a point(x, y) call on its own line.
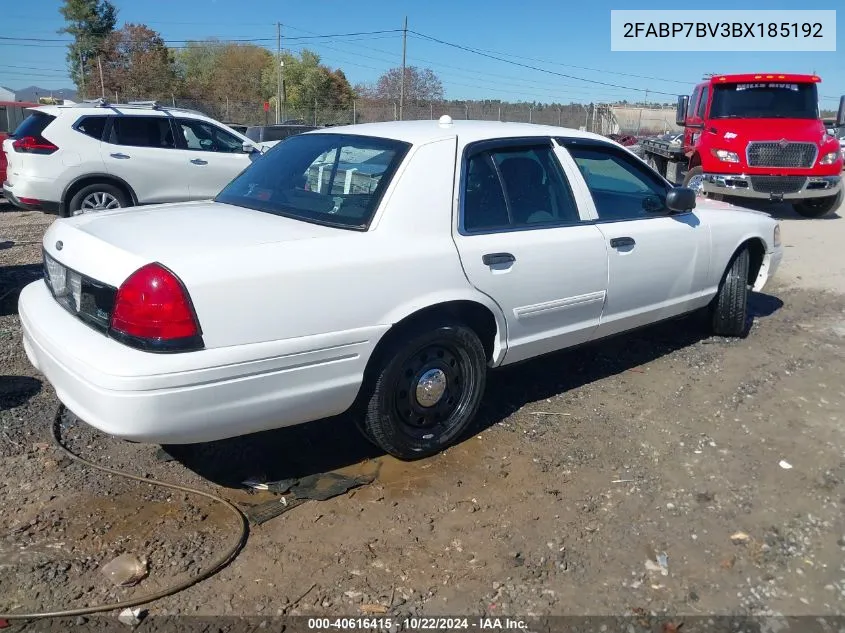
point(427, 390)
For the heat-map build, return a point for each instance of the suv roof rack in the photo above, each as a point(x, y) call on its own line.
point(102, 102)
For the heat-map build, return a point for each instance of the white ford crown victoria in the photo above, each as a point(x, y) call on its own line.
point(381, 268)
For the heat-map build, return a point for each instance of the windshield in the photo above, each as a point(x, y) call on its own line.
point(331, 179)
point(765, 100)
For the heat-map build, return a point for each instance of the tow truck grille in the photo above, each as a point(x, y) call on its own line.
point(778, 184)
point(89, 300)
point(775, 155)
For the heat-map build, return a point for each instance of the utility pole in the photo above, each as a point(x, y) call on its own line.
point(279, 73)
point(102, 85)
point(402, 82)
point(82, 75)
point(640, 122)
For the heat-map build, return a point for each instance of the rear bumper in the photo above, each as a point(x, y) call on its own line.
point(11, 194)
point(772, 187)
point(215, 393)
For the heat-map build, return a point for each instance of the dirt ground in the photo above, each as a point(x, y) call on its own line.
point(604, 481)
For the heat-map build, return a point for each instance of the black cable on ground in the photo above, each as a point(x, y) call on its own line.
point(218, 564)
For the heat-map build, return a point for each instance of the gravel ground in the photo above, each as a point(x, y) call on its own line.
point(663, 473)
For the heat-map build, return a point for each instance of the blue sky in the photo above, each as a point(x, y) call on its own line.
point(561, 34)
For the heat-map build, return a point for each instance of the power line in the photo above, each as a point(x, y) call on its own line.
point(251, 39)
point(530, 67)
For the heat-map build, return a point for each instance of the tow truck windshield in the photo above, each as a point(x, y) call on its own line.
point(765, 100)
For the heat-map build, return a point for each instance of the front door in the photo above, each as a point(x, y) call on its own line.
point(214, 156)
point(522, 242)
point(658, 261)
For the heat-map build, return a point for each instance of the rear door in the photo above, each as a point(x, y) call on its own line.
point(141, 150)
point(214, 156)
point(522, 242)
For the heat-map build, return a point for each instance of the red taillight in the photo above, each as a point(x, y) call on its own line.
point(153, 306)
point(33, 145)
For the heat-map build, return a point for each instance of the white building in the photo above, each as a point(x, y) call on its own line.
point(6, 94)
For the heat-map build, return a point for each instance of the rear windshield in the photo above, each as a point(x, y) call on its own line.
point(33, 125)
point(331, 179)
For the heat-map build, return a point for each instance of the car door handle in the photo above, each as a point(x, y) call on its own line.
point(199, 161)
point(491, 259)
point(619, 242)
point(118, 155)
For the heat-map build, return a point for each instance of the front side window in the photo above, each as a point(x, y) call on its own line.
point(332, 179)
point(702, 104)
point(508, 188)
point(693, 103)
point(621, 188)
point(141, 131)
point(203, 136)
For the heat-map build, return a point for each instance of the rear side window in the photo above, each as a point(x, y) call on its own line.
point(33, 125)
point(92, 126)
point(508, 188)
point(142, 131)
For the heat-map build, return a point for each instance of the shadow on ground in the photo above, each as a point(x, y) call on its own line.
point(12, 281)
point(334, 443)
point(17, 390)
point(781, 211)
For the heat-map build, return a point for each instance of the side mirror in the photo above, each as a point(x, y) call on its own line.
point(681, 110)
point(680, 199)
point(840, 116)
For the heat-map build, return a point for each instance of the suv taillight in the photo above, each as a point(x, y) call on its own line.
point(33, 145)
point(152, 311)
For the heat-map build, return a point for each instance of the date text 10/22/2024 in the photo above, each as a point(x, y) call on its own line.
point(417, 624)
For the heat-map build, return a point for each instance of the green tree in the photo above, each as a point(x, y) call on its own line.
point(137, 64)
point(308, 81)
point(90, 22)
point(196, 65)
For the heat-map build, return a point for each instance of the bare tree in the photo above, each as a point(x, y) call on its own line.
point(421, 85)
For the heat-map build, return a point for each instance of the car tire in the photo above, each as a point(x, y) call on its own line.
point(426, 391)
point(107, 195)
point(819, 207)
point(729, 309)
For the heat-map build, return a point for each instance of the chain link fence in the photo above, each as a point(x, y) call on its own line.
point(599, 118)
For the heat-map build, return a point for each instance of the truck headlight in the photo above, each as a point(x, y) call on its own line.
point(829, 158)
point(725, 156)
point(776, 236)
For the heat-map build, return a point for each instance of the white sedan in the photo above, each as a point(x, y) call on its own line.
point(382, 268)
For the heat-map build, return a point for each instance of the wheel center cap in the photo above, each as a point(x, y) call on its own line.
point(431, 387)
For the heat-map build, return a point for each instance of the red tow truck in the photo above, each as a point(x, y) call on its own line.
point(755, 136)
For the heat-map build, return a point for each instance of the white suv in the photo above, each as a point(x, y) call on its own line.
point(91, 156)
